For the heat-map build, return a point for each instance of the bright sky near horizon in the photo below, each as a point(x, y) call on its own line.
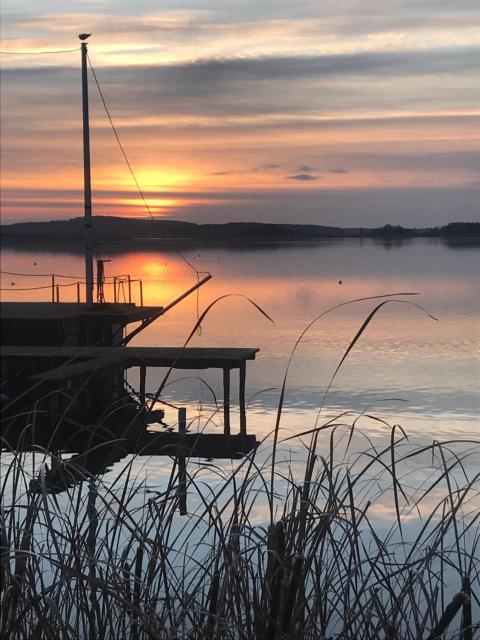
point(340, 112)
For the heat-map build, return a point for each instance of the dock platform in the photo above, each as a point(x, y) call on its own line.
point(56, 364)
point(71, 323)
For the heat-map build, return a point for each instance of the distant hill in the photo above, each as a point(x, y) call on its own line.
point(110, 229)
point(461, 229)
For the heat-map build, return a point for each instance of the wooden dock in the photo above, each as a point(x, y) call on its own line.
point(71, 323)
point(66, 363)
point(70, 364)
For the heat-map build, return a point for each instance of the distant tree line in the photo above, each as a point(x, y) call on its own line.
point(114, 229)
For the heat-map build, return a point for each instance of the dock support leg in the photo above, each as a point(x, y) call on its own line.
point(226, 401)
point(143, 375)
point(182, 465)
point(241, 398)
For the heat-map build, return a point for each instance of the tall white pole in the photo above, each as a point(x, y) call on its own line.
point(87, 188)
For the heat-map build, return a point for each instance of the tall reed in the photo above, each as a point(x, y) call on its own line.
point(268, 550)
point(107, 559)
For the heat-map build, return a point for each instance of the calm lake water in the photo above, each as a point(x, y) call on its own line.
point(432, 366)
point(406, 369)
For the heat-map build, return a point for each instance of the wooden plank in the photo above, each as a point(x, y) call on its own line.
point(88, 359)
point(190, 357)
point(226, 401)
point(133, 356)
point(186, 359)
point(241, 398)
point(34, 311)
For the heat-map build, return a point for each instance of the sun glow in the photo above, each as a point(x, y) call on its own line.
point(158, 179)
point(154, 204)
point(154, 269)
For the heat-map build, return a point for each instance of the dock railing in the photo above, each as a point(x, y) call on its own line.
point(117, 289)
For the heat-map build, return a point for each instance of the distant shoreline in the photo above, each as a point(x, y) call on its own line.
point(172, 234)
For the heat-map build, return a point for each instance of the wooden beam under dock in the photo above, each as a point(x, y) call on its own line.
point(84, 360)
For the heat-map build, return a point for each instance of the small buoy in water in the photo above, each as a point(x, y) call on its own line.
point(12, 284)
point(340, 282)
point(34, 264)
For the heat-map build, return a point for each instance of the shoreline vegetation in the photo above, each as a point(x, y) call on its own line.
point(173, 233)
point(338, 542)
point(111, 558)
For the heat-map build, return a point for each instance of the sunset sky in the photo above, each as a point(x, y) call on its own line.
point(338, 112)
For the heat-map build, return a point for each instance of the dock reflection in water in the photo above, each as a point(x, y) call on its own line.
point(74, 403)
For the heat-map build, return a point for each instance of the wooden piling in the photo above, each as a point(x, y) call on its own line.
point(182, 465)
point(143, 376)
point(241, 398)
point(226, 401)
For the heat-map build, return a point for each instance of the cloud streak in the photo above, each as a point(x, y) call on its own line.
point(302, 177)
point(379, 82)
